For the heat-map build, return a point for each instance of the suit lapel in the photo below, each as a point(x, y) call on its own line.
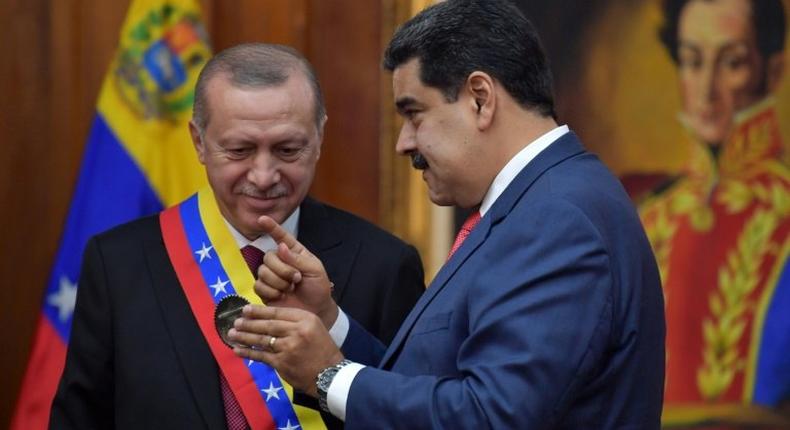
point(472, 242)
point(194, 355)
point(563, 148)
point(319, 233)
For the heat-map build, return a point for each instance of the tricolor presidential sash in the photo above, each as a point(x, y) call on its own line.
point(210, 267)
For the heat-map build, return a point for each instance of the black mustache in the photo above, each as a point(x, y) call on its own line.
point(418, 161)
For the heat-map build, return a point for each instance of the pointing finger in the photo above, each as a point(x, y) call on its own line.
point(279, 234)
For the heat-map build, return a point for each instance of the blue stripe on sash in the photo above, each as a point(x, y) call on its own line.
point(220, 286)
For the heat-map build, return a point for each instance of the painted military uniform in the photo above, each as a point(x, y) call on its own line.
point(720, 234)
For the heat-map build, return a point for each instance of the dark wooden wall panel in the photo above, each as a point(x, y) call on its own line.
point(24, 160)
point(55, 54)
point(271, 21)
point(344, 46)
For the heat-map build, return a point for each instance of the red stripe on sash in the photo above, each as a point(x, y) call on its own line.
point(197, 293)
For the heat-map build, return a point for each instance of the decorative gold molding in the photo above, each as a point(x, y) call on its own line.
point(729, 415)
point(418, 5)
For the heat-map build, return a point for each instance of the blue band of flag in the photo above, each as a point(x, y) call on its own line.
point(108, 171)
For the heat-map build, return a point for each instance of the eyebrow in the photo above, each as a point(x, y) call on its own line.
point(728, 45)
point(404, 103)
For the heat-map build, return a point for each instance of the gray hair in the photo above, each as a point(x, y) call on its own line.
point(255, 65)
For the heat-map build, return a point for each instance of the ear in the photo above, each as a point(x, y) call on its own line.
point(481, 89)
point(774, 71)
point(321, 136)
point(200, 148)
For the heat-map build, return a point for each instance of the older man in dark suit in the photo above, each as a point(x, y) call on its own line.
point(144, 351)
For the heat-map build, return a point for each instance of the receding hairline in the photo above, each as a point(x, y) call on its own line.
point(229, 79)
point(253, 66)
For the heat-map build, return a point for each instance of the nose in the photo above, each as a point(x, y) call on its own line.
point(709, 81)
point(264, 170)
point(406, 139)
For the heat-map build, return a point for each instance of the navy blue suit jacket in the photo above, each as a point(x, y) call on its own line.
point(549, 316)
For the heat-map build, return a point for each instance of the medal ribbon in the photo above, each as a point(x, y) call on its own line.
point(210, 267)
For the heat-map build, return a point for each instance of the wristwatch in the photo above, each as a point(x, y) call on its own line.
point(324, 380)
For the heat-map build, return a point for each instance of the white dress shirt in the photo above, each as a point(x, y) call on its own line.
point(265, 243)
point(337, 395)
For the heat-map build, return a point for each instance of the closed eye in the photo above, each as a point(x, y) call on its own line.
point(238, 153)
point(289, 152)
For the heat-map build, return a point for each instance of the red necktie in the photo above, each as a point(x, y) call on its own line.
point(254, 258)
point(465, 230)
point(233, 414)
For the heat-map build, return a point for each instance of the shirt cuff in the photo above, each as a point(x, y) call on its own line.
point(339, 329)
point(337, 394)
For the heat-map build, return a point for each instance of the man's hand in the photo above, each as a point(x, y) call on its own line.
point(294, 277)
point(301, 348)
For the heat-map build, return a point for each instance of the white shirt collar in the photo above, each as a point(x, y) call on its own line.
point(265, 243)
point(517, 164)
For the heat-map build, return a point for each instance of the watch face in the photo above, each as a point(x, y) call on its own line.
point(326, 378)
point(322, 385)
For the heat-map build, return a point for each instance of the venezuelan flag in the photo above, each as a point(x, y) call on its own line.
point(138, 159)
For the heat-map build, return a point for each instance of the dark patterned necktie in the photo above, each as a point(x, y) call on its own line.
point(254, 258)
point(233, 414)
point(465, 230)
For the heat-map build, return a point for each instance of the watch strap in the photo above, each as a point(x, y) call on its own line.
point(324, 380)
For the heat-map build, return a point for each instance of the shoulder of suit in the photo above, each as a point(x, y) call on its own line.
point(137, 229)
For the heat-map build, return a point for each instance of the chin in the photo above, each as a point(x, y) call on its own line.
point(709, 131)
point(440, 200)
point(712, 137)
point(249, 230)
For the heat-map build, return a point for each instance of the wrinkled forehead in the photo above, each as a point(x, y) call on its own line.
point(293, 96)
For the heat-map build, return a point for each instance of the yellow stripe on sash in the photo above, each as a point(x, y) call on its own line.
point(240, 276)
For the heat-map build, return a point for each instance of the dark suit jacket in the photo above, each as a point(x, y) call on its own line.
point(137, 358)
point(549, 316)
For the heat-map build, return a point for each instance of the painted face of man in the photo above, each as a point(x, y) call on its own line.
point(721, 69)
point(260, 148)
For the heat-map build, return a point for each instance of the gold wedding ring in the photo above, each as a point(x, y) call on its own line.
point(272, 339)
